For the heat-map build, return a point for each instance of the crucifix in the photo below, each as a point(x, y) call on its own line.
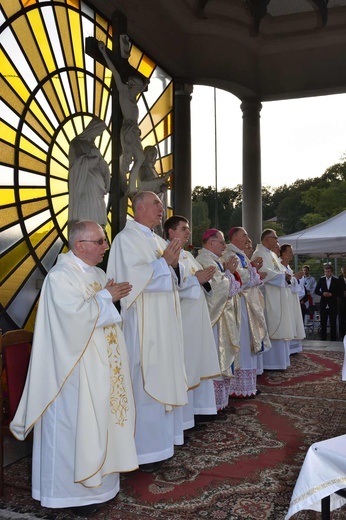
point(127, 84)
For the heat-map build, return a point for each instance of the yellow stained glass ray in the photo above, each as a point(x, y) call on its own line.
point(13, 77)
point(64, 30)
point(30, 148)
point(11, 286)
point(60, 202)
point(13, 258)
point(27, 193)
point(60, 157)
point(42, 39)
point(146, 66)
point(42, 236)
point(54, 100)
point(41, 116)
point(7, 132)
point(7, 196)
point(24, 34)
point(58, 170)
point(57, 187)
point(75, 91)
point(11, 97)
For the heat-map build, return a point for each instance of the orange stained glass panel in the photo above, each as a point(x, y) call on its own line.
point(73, 3)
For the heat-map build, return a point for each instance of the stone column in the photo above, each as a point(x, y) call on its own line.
point(182, 150)
point(252, 195)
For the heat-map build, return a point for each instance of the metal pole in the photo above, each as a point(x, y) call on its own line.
point(215, 162)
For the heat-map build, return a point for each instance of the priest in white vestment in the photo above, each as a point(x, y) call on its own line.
point(277, 305)
point(224, 310)
point(78, 393)
point(296, 291)
point(201, 359)
point(152, 326)
point(254, 337)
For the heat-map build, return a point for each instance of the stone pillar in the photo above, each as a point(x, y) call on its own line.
point(252, 194)
point(182, 150)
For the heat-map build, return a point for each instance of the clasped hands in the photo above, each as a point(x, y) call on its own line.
point(118, 290)
point(172, 252)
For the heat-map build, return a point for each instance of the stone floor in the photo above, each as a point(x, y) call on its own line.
point(15, 450)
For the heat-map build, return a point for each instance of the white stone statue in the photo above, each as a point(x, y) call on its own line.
point(148, 177)
point(89, 177)
point(130, 133)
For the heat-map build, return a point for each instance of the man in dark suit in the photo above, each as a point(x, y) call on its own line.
point(328, 287)
point(342, 303)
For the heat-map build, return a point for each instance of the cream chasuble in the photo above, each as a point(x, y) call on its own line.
point(158, 313)
point(66, 335)
point(225, 311)
point(253, 299)
point(201, 359)
point(277, 307)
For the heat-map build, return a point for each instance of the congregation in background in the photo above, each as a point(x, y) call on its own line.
point(163, 343)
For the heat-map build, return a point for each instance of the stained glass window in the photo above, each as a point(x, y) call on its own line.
point(50, 89)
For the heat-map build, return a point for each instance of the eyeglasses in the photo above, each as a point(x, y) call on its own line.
point(100, 242)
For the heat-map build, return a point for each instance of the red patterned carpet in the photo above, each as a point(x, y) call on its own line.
point(244, 467)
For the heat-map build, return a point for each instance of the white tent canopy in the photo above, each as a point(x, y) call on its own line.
point(327, 239)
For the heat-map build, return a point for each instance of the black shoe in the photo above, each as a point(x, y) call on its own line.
point(85, 511)
point(148, 468)
point(210, 418)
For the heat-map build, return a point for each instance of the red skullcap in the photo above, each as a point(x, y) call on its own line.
point(209, 233)
point(233, 230)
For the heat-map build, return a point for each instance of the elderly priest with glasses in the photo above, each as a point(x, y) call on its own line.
point(78, 392)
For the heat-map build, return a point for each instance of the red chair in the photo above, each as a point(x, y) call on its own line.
point(15, 348)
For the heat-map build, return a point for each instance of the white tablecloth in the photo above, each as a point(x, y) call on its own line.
point(323, 472)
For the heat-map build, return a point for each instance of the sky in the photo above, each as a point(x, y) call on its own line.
point(300, 138)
